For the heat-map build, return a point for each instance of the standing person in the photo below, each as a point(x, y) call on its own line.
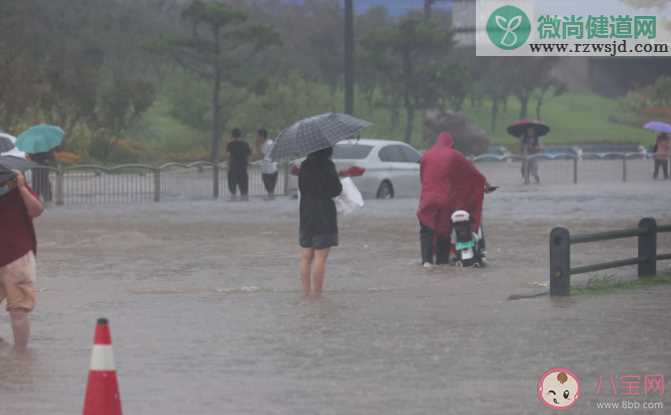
point(18, 245)
point(237, 165)
point(530, 146)
point(662, 155)
point(269, 171)
point(449, 182)
point(318, 183)
point(41, 182)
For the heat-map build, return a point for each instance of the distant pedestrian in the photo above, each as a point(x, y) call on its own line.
point(269, 171)
point(530, 146)
point(237, 165)
point(318, 183)
point(18, 246)
point(661, 151)
point(41, 182)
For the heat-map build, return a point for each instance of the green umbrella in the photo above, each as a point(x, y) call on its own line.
point(40, 139)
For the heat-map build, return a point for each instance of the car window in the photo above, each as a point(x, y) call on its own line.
point(392, 154)
point(410, 155)
point(351, 151)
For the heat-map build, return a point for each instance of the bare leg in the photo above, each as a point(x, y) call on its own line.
point(21, 329)
point(320, 270)
point(307, 255)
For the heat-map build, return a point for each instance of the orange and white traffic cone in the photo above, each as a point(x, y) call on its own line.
point(102, 390)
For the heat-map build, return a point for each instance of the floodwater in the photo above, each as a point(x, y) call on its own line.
point(207, 318)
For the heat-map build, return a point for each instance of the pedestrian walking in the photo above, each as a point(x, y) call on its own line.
point(661, 151)
point(18, 247)
point(269, 170)
point(319, 183)
point(238, 178)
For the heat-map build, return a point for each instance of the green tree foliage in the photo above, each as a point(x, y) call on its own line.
point(409, 57)
point(75, 63)
point(220, 44)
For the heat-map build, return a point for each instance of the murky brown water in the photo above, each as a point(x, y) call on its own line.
point(207, 318)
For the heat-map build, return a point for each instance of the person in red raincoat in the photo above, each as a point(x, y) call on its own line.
point(450, 182)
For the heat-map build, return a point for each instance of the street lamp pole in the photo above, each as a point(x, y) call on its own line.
point(349, 57)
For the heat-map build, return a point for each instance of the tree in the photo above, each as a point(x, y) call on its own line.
point(549, 89)
point(221, 43)
point(529, 74)
point(409, 57)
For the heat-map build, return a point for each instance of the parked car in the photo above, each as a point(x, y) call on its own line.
point(381, 169)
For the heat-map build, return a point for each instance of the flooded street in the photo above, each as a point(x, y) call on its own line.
point(207, 318)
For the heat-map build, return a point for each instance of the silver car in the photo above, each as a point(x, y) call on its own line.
point(381, 169)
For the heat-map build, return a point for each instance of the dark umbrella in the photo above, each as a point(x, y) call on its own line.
point(316, 133)
point(6, 175)
point(16, 163)
point(519, 128)
point(6, 143)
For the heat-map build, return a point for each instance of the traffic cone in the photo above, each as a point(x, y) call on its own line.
point(102, 389)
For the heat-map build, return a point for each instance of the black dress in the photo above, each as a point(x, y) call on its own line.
point(318, 183)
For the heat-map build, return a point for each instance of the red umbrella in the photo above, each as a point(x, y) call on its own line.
point(519, 128)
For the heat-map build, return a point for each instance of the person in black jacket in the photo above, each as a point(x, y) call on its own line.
point(237, 165)
point(318, 183)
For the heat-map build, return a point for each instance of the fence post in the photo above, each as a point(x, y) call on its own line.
point(285, 167)
point(647, 248)
point(624, 168)
point(157, 184)
point(59, 184)
point(560, 262)
point(526, 169)
point(575, 170)
point(215, 181)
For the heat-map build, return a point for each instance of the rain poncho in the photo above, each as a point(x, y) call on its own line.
point(450, 182)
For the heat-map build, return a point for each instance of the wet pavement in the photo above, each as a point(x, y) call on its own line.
point(207, 318)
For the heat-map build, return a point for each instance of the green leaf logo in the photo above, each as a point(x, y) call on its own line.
point(508, 27)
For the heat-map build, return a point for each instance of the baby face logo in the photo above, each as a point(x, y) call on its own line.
point(558, 388)
point(508, 27)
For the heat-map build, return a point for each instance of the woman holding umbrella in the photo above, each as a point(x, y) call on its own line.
point(39, 142)
point(529, 132)
point(318, 183)
point(661, 148)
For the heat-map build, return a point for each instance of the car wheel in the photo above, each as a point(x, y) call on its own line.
point(386, 191)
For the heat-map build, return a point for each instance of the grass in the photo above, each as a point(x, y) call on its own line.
point(575, 118)
point(160, 130)
point(606, 285)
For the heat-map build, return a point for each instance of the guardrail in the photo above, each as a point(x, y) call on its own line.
point(560, 253)
point(96, 184)
point(130, 183)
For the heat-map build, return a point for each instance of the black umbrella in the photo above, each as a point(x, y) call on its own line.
point(519, 128)
point(6, 143)
point(16, 163)
point(6, 175)
point(315, 133)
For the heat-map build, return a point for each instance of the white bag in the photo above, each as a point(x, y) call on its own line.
point(350, 199)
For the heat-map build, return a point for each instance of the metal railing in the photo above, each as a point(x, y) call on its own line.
point(560, 253)
point(136, 183)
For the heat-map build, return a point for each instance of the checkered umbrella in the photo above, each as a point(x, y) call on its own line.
point(314, 134)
